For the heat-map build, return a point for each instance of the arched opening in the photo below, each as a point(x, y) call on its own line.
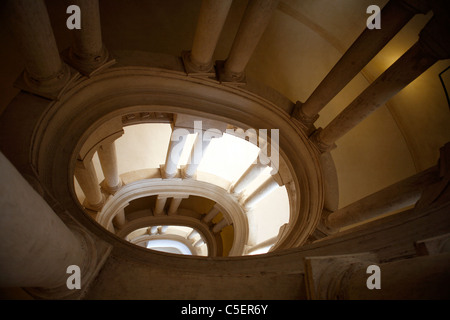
point(141, 152)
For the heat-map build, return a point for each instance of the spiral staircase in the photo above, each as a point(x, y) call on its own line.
point(152, 171)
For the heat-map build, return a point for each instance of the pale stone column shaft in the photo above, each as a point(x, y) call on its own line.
point(220, 225)
point(394, 197)
point(192, 234)
point(266, 243)
point(159, 206)
point(197, 153)
point(199, 243)
point(119, 219)
point(108, 159)
point(88, 43)
point(252, 172)
point(111, 228)
point(174, 205)
point(213, 14)
point(87, 179)
point(394, 15)
point(256, 18)
point(153, 230)
point(173, 156)
point(30, 24)
point(407, 68)
point(261, 192)
point(36, 247)
point(211, 214)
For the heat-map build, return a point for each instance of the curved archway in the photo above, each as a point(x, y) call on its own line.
point(123, 90)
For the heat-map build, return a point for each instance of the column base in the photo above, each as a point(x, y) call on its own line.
point(307, 122)
point(319, 144)
point(193, 69)
point(95, 207)
point(177, 175)
point(51, 89)
point(111, 190)
point(323, 227)
point(184, 175)
point(237, 79)
point(90, 66)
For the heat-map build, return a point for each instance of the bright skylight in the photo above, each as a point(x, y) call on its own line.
point(228, 157)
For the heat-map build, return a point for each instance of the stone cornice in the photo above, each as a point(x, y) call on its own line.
point(66, 124)
point(232, 210)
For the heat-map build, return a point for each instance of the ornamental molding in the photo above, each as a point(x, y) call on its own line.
point(66, 124)
point(232, 211)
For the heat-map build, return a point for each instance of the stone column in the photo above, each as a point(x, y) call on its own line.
point(266, 243)
point(45, 73)
point(252, 172)
point(36, 247)
point(422, 55)
point(192, 234)
point(199, 243)
point(87, 179)
point(220, 225)
point(211, 214)
point(173, 156)
point(160, 204)
point(108, 159)
point(119, 219)
point(198, 151)
point(256, 18)
point(213, 14)
point(394, 197)
point(111, 228)
point(153, 230)
point(87, 52)
point(395, 15)
point(175, 204)
point(260, 193)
